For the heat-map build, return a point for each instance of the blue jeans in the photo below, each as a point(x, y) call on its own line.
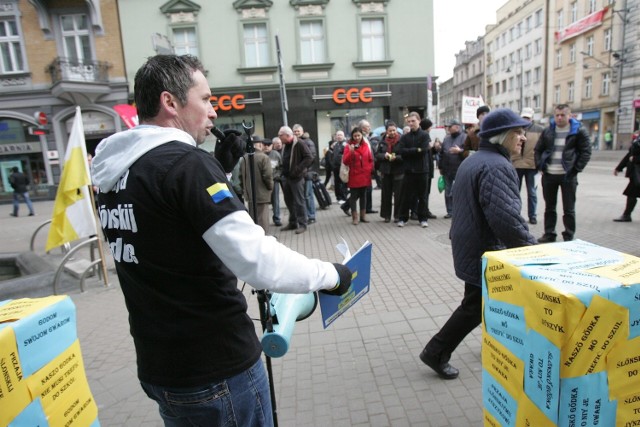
point(309, 199)
point(529, 176)
point(242, 400)
point(16, 202)
point(275, 201)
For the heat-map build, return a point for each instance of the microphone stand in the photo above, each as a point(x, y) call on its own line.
point(263, 296)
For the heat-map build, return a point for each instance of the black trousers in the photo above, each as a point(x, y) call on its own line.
point(550, 186)
point(293, 191)
point(463, 320)
point(414, 187)
point(390, 197)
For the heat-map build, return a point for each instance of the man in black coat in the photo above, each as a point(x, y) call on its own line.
point(487, 217)
point(414, 149)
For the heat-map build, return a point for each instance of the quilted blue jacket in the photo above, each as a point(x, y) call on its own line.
point(486, 210)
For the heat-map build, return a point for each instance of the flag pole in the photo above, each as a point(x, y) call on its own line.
point(103, 262)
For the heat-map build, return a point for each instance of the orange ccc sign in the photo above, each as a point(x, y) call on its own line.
point(352, 95)
point(228, 102)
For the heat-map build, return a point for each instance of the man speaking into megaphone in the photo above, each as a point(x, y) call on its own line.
point(181, 239)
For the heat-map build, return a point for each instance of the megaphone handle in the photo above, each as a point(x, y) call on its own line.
point(267, 325)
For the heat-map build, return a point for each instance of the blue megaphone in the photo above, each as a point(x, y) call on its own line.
point(286, 309)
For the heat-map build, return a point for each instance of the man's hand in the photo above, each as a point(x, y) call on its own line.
point(229, 150)
point(345, 281)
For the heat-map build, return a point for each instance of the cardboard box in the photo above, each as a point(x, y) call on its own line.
point(42, 377)
point(561, 336)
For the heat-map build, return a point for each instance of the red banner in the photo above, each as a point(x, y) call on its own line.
point(585, 24)
point(128, 114)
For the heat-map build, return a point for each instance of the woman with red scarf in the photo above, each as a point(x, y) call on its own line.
point(391, 171)
point(359, 157)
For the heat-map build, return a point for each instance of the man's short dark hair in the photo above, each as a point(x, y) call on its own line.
point(563, 107)
point(389, 124)
point(425, 124)
point(171, 73)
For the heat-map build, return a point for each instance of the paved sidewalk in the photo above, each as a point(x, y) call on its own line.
point(364, 370)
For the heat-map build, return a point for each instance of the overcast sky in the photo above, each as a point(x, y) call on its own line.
point(456, 22)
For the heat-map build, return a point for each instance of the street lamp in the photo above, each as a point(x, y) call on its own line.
point(588, 55)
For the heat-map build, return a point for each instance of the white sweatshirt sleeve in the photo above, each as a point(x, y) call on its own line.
point(262, 261)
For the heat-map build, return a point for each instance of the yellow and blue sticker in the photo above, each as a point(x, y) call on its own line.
point(219, 191)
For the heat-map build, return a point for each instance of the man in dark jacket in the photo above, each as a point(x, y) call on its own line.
point(296, 159)
point(562, 151)
point(450, 159)
point(339, 187)
point(413, 147)
point(19, 183)
point(487, 206)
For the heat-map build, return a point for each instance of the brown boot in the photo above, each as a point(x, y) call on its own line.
point(363, 216)
point(354, 216)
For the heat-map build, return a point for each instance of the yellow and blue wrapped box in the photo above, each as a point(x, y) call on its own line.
point(42, 376)
point(561, 336)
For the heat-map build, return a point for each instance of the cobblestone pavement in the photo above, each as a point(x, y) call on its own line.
point(364, 369)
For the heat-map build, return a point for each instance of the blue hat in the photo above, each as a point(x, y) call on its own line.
point(499, 121)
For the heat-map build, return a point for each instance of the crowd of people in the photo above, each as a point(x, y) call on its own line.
point(403, 162)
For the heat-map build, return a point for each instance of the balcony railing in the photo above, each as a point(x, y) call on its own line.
point(67, 70)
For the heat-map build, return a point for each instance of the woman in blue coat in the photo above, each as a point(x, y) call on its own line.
point(486, 217)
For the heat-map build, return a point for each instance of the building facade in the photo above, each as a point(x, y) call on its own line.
point(468, 74)
point(627, 61)
point(340, 61)
point(446, 108)
point(582, 66)
point(56, 55)
point(515, 57)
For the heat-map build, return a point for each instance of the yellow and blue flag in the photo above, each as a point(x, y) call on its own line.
point(219, 191)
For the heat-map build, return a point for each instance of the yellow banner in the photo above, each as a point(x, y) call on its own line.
point(603, 325)
point(20, 308)
point(63, 388)
point(627, 272)
point(503, 282)
point(527, 254)
point(550, 312)
point(529, 415)
point(14, 394)
point(623, 369)
point(490, 420)
point(506, 368)
point(628, 411)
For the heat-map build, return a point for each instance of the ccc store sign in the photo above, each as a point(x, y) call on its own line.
point(228, 102)
point(352, 95)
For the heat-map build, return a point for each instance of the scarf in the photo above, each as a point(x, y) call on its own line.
point(391, 142)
